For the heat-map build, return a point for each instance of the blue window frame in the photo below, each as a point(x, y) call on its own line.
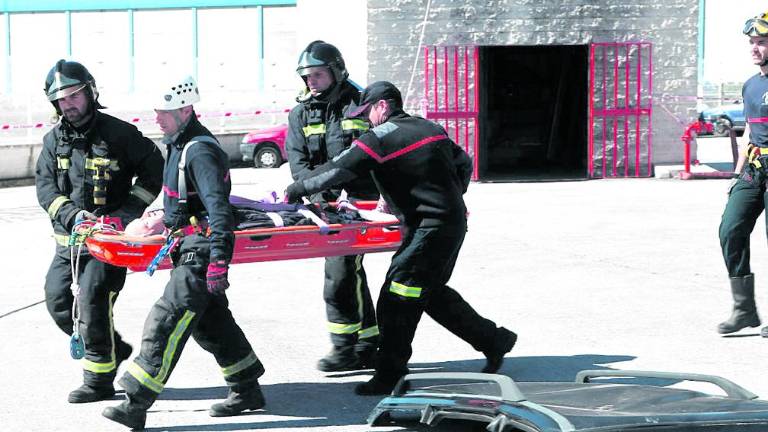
point(91, 5)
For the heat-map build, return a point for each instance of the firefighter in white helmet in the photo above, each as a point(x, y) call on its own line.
point(197, 185)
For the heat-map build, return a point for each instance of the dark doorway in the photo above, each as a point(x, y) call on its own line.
point(533, 112)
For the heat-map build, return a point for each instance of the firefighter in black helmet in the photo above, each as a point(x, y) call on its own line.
point(318, 131)
point(86, 169)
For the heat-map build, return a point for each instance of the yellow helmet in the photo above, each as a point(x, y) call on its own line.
point(757, 26)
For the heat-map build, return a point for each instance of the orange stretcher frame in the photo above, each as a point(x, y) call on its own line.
point(256, 245)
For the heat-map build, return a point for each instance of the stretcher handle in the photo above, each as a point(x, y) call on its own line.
point(509, 390)
point(312, 228)
point(731, 389)
point(158, 239)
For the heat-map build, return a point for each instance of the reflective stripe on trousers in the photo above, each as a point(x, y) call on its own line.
point(157, 383)
point(111, 365)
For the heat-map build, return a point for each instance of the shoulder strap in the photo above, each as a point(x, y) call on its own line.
point(183, 163)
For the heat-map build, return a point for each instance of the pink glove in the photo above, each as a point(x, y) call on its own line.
point(216, 279)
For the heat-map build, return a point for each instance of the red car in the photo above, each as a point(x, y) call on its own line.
point(265, 148)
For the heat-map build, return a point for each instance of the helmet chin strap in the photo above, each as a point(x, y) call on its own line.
point(328, 92)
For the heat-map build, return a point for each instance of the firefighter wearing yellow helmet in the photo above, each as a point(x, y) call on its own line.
point(747, 196)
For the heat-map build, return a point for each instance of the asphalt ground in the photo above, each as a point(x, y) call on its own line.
point(605, 274)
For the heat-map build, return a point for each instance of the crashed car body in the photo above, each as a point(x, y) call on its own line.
point(502, 405)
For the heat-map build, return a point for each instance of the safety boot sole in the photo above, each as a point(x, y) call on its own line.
point(725, 328)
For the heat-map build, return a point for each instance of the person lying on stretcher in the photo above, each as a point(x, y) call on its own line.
point(262, 213)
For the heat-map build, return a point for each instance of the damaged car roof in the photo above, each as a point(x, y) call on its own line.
point(579, 406)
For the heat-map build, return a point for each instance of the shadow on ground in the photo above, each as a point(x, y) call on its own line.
point(309, 405)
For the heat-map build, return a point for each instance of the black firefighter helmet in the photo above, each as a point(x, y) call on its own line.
point(319, 53)
point(69, 77)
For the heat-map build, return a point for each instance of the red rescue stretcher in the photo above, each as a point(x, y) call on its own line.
point(255, 245)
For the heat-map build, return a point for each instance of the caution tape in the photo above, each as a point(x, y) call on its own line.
point(223, 114)
point(7, 127)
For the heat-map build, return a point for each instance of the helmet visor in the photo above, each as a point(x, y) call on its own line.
point(756, 27)
point(307, 61)
point(54, 95)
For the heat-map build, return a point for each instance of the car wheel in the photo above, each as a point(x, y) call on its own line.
point(723, 126)
point(267, 156)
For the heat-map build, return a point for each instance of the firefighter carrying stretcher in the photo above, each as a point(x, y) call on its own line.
point(196, 186)
point(86, 169)
point(318, 131)
point(422, 175)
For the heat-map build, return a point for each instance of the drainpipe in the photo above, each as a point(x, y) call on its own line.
point(700, 50)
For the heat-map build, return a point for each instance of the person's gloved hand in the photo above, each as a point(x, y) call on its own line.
point(294, 192)
point(216, 278)
point(732, 184)
point(84, 215)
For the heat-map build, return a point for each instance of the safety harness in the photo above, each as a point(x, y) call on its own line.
point(315, 130)
point(175, 236)
point(757, 156)
point(100, 164)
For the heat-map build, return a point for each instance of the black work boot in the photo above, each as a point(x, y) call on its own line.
point(744, 308)
point(239, 399)
point(91, 393)
point(377, 385)
point(94, 392)
point(505, 340)
point(132, 415)
point(764, 332)
point(341, 358)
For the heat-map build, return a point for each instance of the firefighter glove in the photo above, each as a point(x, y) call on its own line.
point(216, 279)
point(84, 215)
point(294, 192)
point(732, 184)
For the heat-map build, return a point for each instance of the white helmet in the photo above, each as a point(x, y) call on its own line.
point(178, 95)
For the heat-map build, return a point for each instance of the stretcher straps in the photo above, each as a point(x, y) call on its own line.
point(317, 220)
point(276, 219)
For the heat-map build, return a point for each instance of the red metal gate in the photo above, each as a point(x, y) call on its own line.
point(450, 94)
point(620, 107)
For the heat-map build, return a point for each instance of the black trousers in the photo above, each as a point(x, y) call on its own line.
point(188, 309)
point(348, 305)
point(416, 283)
point(746, 202)
point(99, 284)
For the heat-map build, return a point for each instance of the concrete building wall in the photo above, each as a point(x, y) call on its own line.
point(341, 23)
point(397, 29)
